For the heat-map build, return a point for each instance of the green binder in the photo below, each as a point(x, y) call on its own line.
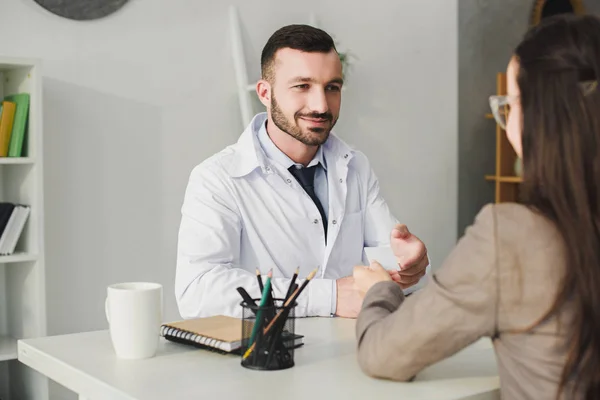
point(20, 123)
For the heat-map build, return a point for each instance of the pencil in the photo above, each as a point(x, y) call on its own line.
point(290, 288)
point(270, 302)
point(292, 298)
point(259, 279)
point(289, 301)
point(271, 294)
point(263, 302)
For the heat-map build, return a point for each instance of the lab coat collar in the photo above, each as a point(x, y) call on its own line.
point(249, 156)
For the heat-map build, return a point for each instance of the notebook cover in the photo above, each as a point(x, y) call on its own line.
point(176, 339)
point(219, 327)
point(222, 328)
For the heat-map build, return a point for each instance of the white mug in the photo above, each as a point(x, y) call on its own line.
point(134, 314)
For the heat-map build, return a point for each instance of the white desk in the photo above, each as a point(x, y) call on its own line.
point(325, 366)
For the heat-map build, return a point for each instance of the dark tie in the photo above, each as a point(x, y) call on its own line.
point(306, 177)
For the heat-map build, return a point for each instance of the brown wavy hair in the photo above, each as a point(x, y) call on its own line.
point(559, 65)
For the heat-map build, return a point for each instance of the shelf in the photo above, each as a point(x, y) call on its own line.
point(507, 179)
point(17, 160)
point(8, 348)
point(23, 302)
point(18, 257)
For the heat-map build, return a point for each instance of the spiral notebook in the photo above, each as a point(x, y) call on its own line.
point(218, 333)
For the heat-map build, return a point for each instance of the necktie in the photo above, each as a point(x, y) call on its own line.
point(306, 178)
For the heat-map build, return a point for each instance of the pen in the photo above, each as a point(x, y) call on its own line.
point(246, 297)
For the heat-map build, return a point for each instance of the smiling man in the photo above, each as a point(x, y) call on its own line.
point(289, 194)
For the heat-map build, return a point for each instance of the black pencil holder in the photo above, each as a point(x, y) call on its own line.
point(268, 336)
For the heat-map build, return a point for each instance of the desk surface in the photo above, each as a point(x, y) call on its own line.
point(326, 364)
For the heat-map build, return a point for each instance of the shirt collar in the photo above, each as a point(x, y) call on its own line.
point(273, 153)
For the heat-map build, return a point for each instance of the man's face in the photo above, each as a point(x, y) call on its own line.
point(306, 94)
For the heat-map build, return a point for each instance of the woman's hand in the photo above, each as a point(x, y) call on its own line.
point(367, 276)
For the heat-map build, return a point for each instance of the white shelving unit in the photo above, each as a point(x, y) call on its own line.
point(246, 87)
point(22, 274)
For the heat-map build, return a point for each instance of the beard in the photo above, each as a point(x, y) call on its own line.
point(314, 136)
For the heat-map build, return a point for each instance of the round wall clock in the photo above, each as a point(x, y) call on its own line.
point(82, 10)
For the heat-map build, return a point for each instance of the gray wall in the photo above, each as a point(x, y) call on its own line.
point(488, 31)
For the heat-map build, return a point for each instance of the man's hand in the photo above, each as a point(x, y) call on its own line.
point(411, 255)
point(366, 277)
point(349, 299)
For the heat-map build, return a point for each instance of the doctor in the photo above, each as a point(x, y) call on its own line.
point(288, 194)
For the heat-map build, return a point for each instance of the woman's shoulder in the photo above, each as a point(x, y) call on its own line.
point(515, 215)
point(518, 225)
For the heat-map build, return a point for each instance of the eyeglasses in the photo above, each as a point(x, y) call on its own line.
point(501, 104)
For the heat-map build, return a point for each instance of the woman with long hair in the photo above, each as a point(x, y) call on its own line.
point(527, 275)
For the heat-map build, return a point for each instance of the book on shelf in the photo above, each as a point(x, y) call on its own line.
point(7, 118)
point(12, 221)
point(14, 118)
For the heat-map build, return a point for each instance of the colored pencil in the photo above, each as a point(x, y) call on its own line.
point(263, 302)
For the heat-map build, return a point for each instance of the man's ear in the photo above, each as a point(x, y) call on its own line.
point(263, 90)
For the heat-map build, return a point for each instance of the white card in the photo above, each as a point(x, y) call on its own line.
point(383, 255)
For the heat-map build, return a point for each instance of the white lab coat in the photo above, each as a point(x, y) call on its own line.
point(241, 212)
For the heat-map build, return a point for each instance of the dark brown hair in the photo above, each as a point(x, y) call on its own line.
point(298, 37)
point(559, 64)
